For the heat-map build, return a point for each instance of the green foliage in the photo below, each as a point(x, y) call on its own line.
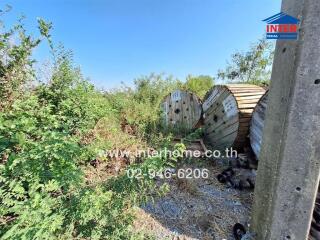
point(43, 194)
point(35, 149)
point(45, 147)
point(253, 66)
point(151, 89)
point(32, 213)
point(39, 168)
point(45, 28)
point(139, 106)
point(197, 134)
point(72, 97)
point(199, 85)
point(15, 60)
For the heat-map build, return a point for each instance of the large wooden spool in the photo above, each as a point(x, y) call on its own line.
point(227, 114)
point(257, 124)
point(181, 110)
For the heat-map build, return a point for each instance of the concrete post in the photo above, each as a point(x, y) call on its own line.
point(288, 172)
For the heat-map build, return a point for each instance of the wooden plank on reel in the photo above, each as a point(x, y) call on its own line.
point(227, 111)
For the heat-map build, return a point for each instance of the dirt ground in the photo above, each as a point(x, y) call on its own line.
point(196, 208)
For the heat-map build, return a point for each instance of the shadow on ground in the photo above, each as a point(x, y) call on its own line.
point(196, 209)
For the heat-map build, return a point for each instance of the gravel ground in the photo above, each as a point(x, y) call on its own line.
point(196, 208)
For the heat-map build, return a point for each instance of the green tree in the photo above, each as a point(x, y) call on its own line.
point(16, 62)
point(252, 66)
point(199, 84)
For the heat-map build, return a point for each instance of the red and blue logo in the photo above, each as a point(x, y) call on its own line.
point(282, 26)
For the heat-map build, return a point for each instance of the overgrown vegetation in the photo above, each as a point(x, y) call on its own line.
point(199, 85)
point(51, 134)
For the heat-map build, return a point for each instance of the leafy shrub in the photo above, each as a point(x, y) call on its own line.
point(15, 58)
point(72, 97)
point(42, 188)
point(49, 133)
point(199, 85)
point(45, 145)
point(39, 168)
point(140, 106)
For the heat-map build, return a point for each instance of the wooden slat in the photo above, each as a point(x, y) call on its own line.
point(241, 85)
point(249, 94)
point(248, 105)
point(248, 101)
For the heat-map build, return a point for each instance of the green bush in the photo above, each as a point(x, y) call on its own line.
point(43, 194)
point(140, 106)
point(45, 146)
point(199, 85)
point(72, 97)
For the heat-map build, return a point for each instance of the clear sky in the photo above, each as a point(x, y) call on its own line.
point(119, 40)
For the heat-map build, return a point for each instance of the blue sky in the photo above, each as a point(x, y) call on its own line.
point(119, 40)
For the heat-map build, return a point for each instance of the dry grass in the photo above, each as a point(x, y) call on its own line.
point(108, 134)
point(202, 208)
point(188, 186)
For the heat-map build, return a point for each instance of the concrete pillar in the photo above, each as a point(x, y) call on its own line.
point(288, 171)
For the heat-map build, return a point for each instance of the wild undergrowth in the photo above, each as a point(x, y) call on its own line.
point(51, 133)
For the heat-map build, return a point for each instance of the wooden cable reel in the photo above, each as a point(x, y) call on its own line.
point(227, 114)
point(181, 110)
point(257, 124)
